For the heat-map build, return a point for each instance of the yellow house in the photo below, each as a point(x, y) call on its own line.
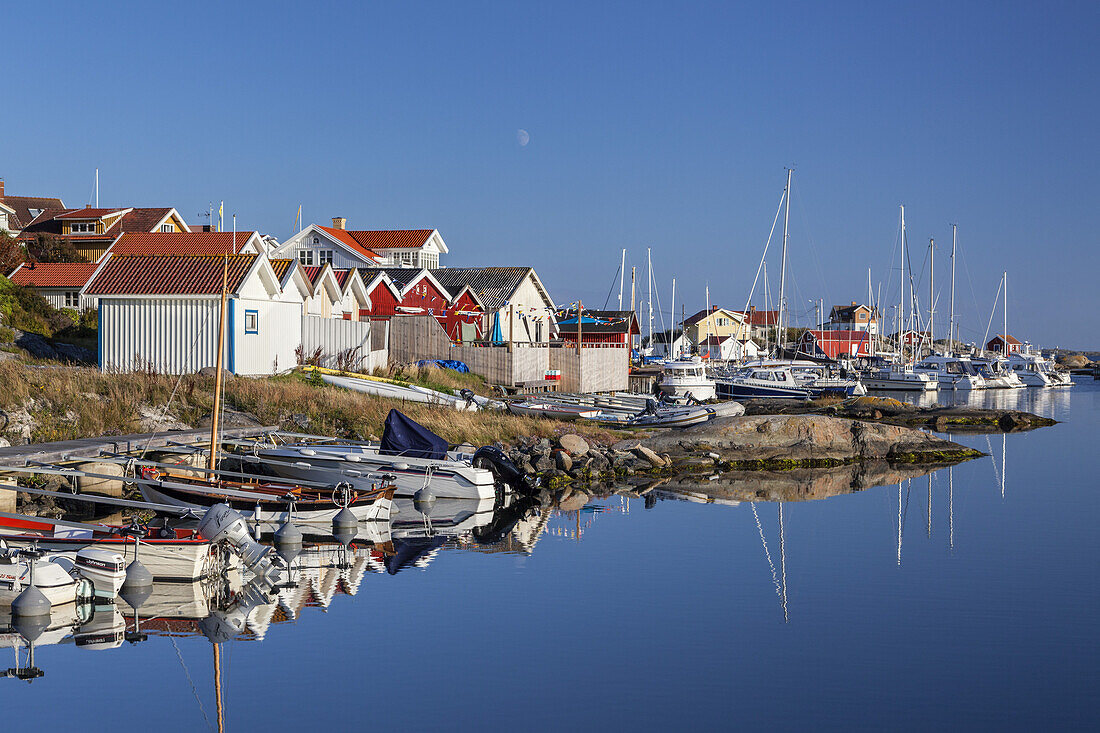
point(718, 322)
point(92, 231)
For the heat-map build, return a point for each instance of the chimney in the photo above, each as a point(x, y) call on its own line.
point(1, 188)
point(853, 302)
point(339, 222)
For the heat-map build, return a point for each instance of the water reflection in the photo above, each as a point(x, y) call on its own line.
point(1045, 402)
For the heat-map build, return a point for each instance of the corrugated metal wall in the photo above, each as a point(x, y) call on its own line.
point(172, 336)
point(333, 336)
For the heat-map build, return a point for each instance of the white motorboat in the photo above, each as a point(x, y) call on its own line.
point(682, 379)
point(897, 377)
point(552, 410)
point(1036, 371)
point(410, 393)
point(952, 372)
point(57, 584)
point(997, 374)
point(767, 382)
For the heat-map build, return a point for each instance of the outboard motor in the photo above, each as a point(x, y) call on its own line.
point(221, 523)
point(504, 471)
point(222, 625)
point(106, 570)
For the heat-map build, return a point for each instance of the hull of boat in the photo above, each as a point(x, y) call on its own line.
point(552, 412)
point(172, 560)
point(701, 391)
point(274, 510)
point(448, 479)
point(751, 390)
point(901, 385)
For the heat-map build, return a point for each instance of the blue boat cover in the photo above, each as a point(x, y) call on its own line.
point(403, 436)
point(452, 364)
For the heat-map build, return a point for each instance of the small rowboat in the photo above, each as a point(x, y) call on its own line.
point(552, 411)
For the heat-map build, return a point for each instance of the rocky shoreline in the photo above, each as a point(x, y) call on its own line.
point(762, 442)
point(894, 412)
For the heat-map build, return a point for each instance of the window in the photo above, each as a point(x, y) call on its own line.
point(83, 227)
point(316, 240)
point(324, 257)
point(251, 321)
point(72, 299)
point(167, 228)
point(305, 257)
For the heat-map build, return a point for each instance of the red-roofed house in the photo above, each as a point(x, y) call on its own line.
point(163, 312)
point(59, 283)
point(317, 245)
point(17, 212)
point(92, 231)
point(997, 344)
point(187, 243)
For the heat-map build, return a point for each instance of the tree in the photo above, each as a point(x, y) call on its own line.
point(12, 253)
point(52, 248)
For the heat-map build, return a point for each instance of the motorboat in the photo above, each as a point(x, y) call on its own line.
point(997, 374)
point(898, 377)
point(20, 568)
point(683, 379)
point(763, 382)
point(174, 554)
point(823, 382)
point(410, 453)
point(1036, 371)
point(952, 372)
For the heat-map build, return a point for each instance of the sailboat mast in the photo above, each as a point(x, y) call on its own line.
point(951, 320)
point(649, 262)
point(622, 276)
point(1004, 342)
point(215, 415)
point(672, 328)
point(932, 294)
point(901, 294)
point(781, 337)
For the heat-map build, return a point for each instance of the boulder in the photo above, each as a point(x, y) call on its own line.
point(575, 501)
point(562, 460)
point(575, 445)
point(543, 463)
point(648, 454)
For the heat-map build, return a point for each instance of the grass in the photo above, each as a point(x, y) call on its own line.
point(76, 402)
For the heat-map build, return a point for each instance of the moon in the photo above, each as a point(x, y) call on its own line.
point(522, 137)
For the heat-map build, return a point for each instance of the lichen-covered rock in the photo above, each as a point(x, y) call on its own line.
point(802, 439)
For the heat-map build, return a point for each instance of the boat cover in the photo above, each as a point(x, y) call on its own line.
point(403, 436)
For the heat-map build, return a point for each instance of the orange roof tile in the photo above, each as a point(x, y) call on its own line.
point(169, 275)
point(281, 267)
point(180, 243)
point(367, 241)
point(54, 274)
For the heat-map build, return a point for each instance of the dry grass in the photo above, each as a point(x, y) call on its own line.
point(75, 402)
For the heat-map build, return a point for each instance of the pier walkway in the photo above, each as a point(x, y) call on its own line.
point(19, 455)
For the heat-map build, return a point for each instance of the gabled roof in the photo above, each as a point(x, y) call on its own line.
point(133, 220)
point(169, 275)
point(1011, 340)
point(281, 266)
point(714, 310)
point(53, 274)
point(760, 318)
point(181, 243)
point(90, 213)
point(344, 237)
point(846, 312)
point(401, 277)
point(384, 238)
point(495, 286)
point(28, 208)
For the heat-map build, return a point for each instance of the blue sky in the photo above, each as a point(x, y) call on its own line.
point(662, 125)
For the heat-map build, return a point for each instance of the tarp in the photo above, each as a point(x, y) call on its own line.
point(403, 436)
point(452, 364)
point(584, 320)
point(497, 336)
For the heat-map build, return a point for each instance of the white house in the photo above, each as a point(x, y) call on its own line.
point(517, 305)
point(854, 317)
point(729, 348)
point(163, 312)
point(318, 245)
point(661, 349)
point(59, 283)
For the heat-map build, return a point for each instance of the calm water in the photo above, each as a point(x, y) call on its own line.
point(977, 611)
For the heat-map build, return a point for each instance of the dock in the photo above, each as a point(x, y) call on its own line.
point(64, 450)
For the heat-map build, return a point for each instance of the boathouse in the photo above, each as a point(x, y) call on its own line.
point(163, 312)
point(1003, 344)
point(835, 344)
